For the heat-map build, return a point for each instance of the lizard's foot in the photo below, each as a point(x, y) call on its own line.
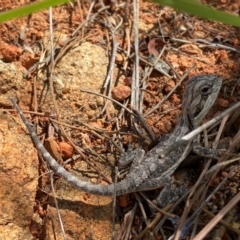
point(131, 156)
point(207, 152)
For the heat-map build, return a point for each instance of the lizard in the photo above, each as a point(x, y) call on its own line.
point(150, 170)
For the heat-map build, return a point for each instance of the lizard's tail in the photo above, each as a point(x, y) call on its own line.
point(106, 190)
point(121, 187)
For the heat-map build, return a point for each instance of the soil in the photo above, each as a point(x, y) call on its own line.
point(28, 205)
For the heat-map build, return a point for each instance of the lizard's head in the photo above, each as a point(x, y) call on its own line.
point(200, 94)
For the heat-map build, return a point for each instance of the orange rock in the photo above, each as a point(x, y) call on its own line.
point(175, 99)
point(97, 124)
point(28, 59)
point(224, 174)
point(9, 52)
point(119, 58)
point(190, 49)
point(169, 86)
point(121, 92)
point(66, 149)
point(222, 102)
point(223, 55)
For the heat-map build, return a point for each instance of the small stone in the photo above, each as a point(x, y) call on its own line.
point(199, 34)
point(210, 204)
point(66, 149)
point(190, 49)
point(29, 59)
point(224, 174)
point(119, 58)
point(96, 124)
point(222, 102)
point(121, 92)
point(169, 86)
point(175, 99)
point(10, 53)
point(165, 107)
point(222, 55)
point(214, 208)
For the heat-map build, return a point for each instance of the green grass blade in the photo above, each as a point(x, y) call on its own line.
point(25, 10)
point(195, 8)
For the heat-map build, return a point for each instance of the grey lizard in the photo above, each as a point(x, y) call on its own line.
point(149, 171)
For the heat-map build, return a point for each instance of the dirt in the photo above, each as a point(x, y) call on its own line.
point(28, 209)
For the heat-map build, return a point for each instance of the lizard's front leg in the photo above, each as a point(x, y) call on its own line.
point(206, 152)
point(131, 156)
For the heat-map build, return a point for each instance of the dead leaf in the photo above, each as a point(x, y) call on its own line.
point(54, 149)
point(154, 45)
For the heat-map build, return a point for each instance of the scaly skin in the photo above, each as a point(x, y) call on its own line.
point(152, 170)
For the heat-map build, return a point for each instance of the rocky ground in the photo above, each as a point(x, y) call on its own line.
point(88, 125)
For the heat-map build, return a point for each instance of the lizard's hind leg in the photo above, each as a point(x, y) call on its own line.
point(170, 193)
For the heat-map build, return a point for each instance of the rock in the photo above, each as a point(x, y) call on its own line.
point(9, 53)
point(19, 178)
point(121, 92)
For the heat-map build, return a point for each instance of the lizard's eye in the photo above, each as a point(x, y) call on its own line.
point(205, 90)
